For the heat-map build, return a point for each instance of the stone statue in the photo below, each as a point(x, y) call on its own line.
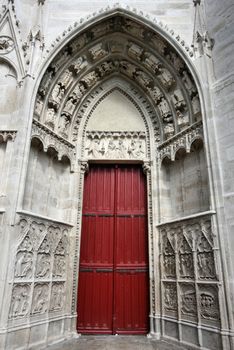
point(43, 265)
point(23, 266)
point(50, 118)
point(65, 79)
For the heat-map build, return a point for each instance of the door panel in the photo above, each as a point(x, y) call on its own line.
point(131, 260)
point(113, 278)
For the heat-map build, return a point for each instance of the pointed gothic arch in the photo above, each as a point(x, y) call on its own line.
point(125, 52)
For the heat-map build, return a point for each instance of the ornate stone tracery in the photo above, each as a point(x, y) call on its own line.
point(156, 66)
point(182, 263)
point(40, 268)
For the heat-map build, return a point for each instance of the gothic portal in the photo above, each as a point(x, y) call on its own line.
point(110, 184)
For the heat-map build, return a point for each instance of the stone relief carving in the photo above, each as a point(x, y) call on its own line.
point(40, 298)
point(42, 244)
point(169, 262)
point(159, 79)
point(98, 51)
point(24, 264)
point(166, 78)
point(135, 51)
point(170, 297)
point(187, 255)
point(57, 297)
point(20, 301)
point(153, 63)
point(185, 259)
point(46, 82)
point(178, 100)
point(115, 145)
point(188, 300)
point(50, 118)
point(6, 135)
point(79, 65)
point(208, 299)
point(182, 140)
point(66, 78)
point(51, 139)
point(6, 44)
point(43, 265)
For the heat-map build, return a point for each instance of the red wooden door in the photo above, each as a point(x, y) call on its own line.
point(113, 280)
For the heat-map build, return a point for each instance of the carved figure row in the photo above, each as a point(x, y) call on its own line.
point(59, 98)
point(41, 253)
point(46, 297)
point(189, 246)
point(115, 145)
point(191, 302)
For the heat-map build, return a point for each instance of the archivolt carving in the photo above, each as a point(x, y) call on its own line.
point(115, 145)
point(152, 64)
point(187, 256)
point(41, 256)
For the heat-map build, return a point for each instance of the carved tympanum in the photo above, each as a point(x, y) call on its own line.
point(115, 145)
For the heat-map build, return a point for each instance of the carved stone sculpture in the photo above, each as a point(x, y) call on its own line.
point(6, 44)
point(70, 106)
point(57, 95)
point(59, 268)
point(153, 63)
point(166, 78)
point(170, 297)
point(164, 108)
point(46, 82)
point(155, 93)
point(50, 118)
point(43, 265)
point(90, 79)
point(40, 299)
point(178, 100)
point(115, 145)
point(106, 68)
point(64, 122)
point(196, 106)
point(24, 264)
point(188, 300)
point(135, 51)
point(38, 107)
point(78, 65)
point(97, 52)
point(188, 83)
point(57, 297)
point(20, 301)
point(65, 79)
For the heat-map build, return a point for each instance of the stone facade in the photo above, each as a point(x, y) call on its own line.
point(117, 85)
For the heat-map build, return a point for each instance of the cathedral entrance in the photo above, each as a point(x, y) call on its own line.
point(113, 280)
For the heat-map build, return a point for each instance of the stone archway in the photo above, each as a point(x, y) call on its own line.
point(121, 53)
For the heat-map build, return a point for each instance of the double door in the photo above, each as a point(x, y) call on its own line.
point(113, 275)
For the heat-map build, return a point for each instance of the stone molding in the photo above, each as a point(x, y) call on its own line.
point(182, 140)
point(6, 135)
point(121, 9)
point(50, 139)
